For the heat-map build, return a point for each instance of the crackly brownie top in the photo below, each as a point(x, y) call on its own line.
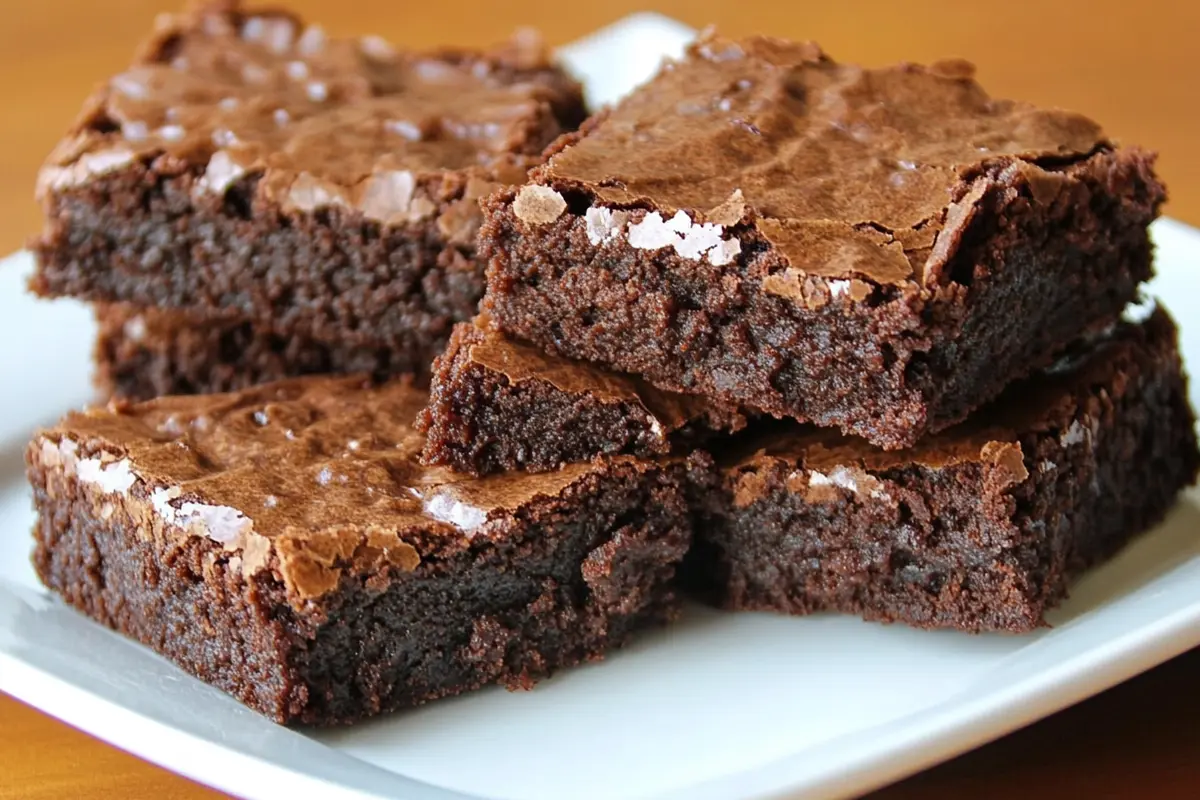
point(1061, 400)
point(315, 469)
point(845, 169)
point(518, 362)
point(228, 93)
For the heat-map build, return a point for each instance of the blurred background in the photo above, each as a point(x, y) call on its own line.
point(1132, 65)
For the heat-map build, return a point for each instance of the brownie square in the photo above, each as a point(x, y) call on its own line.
point(877, 250)
point(981, 527)
point(247, 164)
point(285, 545)
point(496, 404)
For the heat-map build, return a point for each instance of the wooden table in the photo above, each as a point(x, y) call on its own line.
point(1133, 65)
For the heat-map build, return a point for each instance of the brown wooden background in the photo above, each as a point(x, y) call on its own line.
point(1132, 64)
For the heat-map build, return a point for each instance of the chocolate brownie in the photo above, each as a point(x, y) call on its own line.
point(285, 545)
point(146, 353)
point(981, 527)
point(496, 404)
point(249, 165)
point(878, 250)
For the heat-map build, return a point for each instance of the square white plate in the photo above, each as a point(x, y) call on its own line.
point(718, 706)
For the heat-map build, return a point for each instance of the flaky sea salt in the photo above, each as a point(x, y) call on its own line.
point(690, 240)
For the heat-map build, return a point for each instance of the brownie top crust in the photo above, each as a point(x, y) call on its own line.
point(845, 170)
point(520, 362)
point(1057, 400)
point(226, 93)
point(316, 472)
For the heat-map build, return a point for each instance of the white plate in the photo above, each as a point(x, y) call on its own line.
point(718, 706)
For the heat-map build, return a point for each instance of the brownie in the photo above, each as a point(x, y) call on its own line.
point(981, 527)
point(877, 250)
point(248, 165)
point(285, 545)
point(496, 405)
point(145, 353)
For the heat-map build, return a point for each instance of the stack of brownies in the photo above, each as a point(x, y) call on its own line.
point(775, 332)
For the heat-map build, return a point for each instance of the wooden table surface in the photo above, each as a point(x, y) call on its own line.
point(1135, 66)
